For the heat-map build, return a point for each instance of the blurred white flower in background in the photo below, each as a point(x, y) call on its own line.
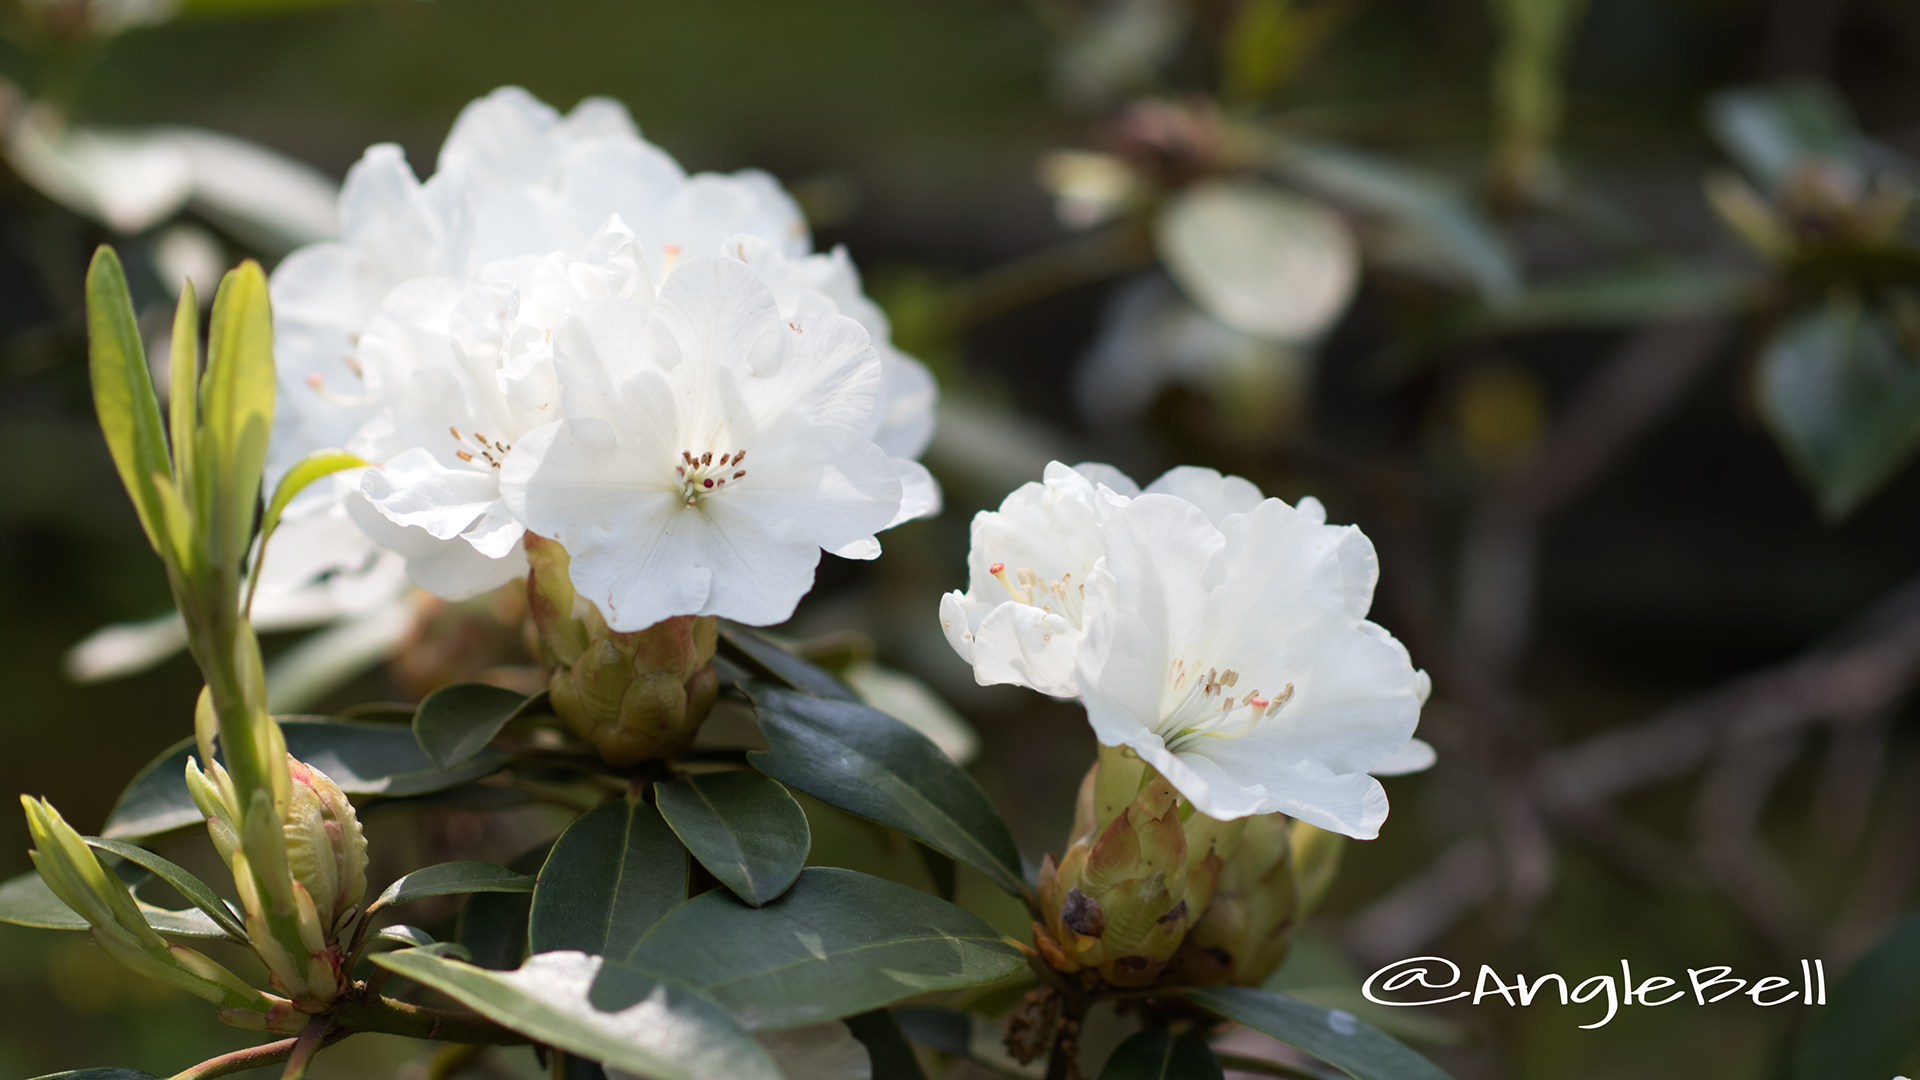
point(1259, 259)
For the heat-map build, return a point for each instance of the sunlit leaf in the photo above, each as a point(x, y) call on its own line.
point(867, 763)
point(195, 890)
point(26, 901)
point(236, 408)
point(452, 878)
point(318, 464)
point(743, 827)
point(123, 390)
point(611, 876)
point(601, 1010)
point(838, 943)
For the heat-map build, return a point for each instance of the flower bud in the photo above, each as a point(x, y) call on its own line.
point(77, 877)
point(635, 696)
point(1244, 935)
point(1122, 899)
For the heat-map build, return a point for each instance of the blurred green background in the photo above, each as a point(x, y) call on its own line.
point(1589, 530)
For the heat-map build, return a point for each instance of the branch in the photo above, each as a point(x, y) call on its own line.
point(253, 1057)
point(377, 1014)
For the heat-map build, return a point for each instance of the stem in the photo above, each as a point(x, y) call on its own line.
point(304, 1047)
point(1263, 1067)
point(1064, 1064)
point(253, 1057)
point(390, 1017)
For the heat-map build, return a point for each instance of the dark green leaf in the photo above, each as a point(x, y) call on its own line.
point(456, 722)
point(448, 879)
point(1160, 1055)
point(1843, 400)
point(123, 394)
point(837, 944)
point(763, 659)
point(196, 891)
point(493, 926)
point(612, 875)
point(945, 875)
point(1770, 129)
point(743, 827)
point(1336, 1037)
point(886, 1045)
point(1872, 1026)
point(949, 1031)
point(363, 758)
point(865, 762)
point(604, 1012)
point(26, 901)
point(411, 936)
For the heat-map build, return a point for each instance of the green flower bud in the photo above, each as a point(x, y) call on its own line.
point(1123, 898)
point(635, 695)
point(1271, 876)
point(83, 883)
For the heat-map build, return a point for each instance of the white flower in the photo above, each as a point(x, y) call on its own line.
point(710, 450)
point(528, 215)
point(1035, 569)
point(1236, 659)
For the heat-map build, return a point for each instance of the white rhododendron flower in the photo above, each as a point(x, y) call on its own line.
point(711, 449)
point(1237, 660)
point(1035, 575)
point(423, 339)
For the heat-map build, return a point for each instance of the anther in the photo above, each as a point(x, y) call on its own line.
point(706, 458)
point(454, 431)
point(463, 455)
point(724, 457)
point(739, 474)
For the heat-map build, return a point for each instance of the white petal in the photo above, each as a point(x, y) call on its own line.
point(1207, 489)
point(864, 549)
point(449, 569)
point(956, 626)
point(1417, 756)
point(1026, 646)
point(415, 489)
point(919, 492)
point(1101, 473)
point(262, 193)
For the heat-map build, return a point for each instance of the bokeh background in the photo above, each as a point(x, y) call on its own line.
point(1623, 389)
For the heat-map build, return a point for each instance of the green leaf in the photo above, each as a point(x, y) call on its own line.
point(837, 944)
point(1621, 298)
point(1432, 218)
point(1770, 129)
point(602, 1011)
point(766, 660)
point(611, 876)
point(183, 377)
point(123, 391)
point(493, 926)
point(1872, 1027)
point(195, 890)
point(400, 934)
point(1336, 1037)
point(743, 827)
point(887, 1046)
point(1160, 1055)
point(236, 412)
point(448, 879)
point(456, 722)
point(865, 762)
point(26, 901)
point(363, 758)
point(295, 480)
point(1843, 400)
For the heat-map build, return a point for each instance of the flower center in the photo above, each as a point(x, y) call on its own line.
point(1061, 596)
point(701, 475)
point(489, 450)
point(1210, 710)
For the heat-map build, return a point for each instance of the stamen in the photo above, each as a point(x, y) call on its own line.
point(463, 455)
point(740, 474)
point(455, 432)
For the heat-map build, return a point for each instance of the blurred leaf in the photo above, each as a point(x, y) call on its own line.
point(363, 758)
point(766, 660)
point(603, 1011)
point(949, 1031)
point(1843, 399)
point(1872, 1026)
point(123, 395)
point(1770, 129)
point(1620, 298)
point(196, 891)
point(26, 901)
point(887, 1046)
point(1161, 1055)
point(914, 704)
point(448, 879)
point(493, 926)
point(1336, 1037)
point(1445, 228)
point(743, 827)
point(611, 876)
point(837, 944)
point(456, 722)
point(865, 762)
point(1258, 259)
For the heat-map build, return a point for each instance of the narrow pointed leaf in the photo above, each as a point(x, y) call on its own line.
point(743, 827)
point(363, 758)
point(236, 405)
point(26, 901)
point(611, 876)
point(400, 934)
point(766, 660)
point(1336, 1037)
point(183, 377)
point(448, 879)
point(456, 722)
point(865, 762)
point(838, 943)
point(318, 464)
point(195, 890)
point(123, 389)
point(606, 1012)
point(1161, 1055)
